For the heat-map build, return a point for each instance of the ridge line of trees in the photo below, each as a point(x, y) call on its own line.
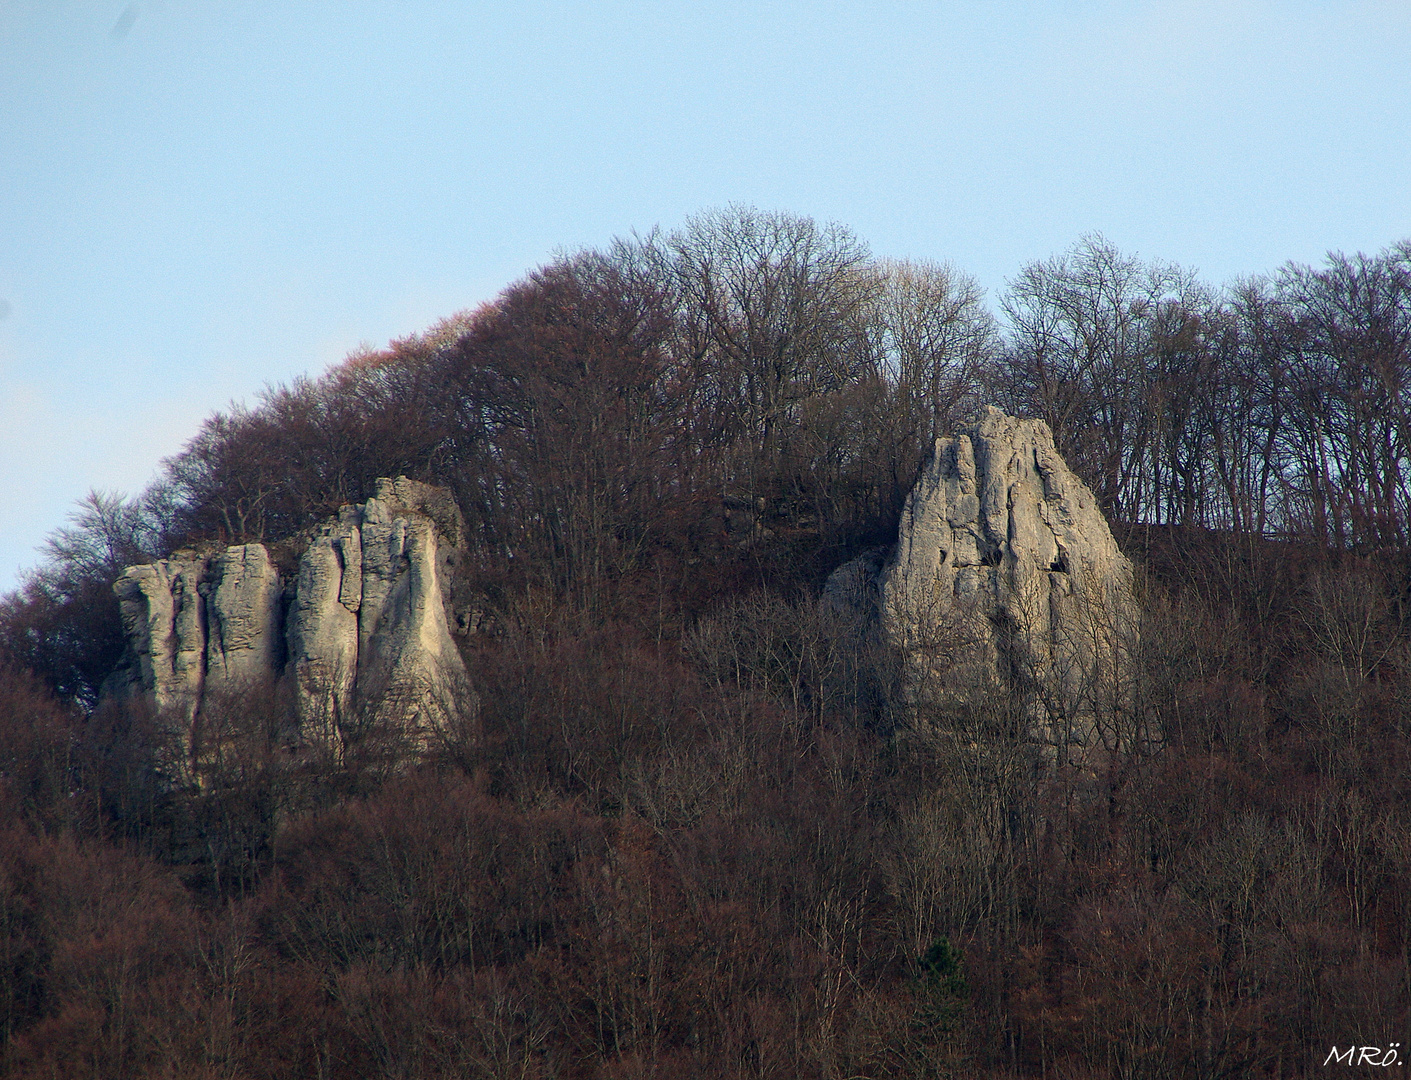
point(752, 371)
point(763, 356)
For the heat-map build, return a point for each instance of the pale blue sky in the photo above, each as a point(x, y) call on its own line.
point(198, 198)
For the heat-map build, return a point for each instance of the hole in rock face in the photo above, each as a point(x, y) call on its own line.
point(1060, 563)
point(990, 557)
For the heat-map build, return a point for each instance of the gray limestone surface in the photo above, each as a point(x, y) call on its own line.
point(362, 632)
point(163, 615)
point(323, 626)
point(1005, 572)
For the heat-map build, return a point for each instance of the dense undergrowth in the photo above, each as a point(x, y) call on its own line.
point(697, 831)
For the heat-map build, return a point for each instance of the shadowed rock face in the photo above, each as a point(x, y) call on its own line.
point(163, 615)
point(1005, 573)
point(243, 602)
point(361, 632)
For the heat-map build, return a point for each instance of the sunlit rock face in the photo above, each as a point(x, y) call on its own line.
point(1006, 576)
point(359, 633)
point(323, 626)
point(369, 637)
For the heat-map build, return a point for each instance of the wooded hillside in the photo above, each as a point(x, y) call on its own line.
point(698, 830)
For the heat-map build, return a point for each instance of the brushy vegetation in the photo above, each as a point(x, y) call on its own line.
point(698, 832)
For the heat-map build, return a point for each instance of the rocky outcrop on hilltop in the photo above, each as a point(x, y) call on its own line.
point(1005, 573)
point(360, 631)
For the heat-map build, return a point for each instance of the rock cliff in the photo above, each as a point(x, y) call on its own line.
point(360, 631)
point(1005, 573)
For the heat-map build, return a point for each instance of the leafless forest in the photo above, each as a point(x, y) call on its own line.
point(693, 829)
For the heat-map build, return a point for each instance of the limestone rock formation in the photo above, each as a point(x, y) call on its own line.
point(163, 615)
point(243, 615)
point(323, 626)
point(361, 631)
point(1005, 572)
point(369, 613)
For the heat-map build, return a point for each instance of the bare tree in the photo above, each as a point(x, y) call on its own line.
point(779, 306)
point(934, 336)
point(1350, 374)
point(1080, 357)
point(570, 415)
